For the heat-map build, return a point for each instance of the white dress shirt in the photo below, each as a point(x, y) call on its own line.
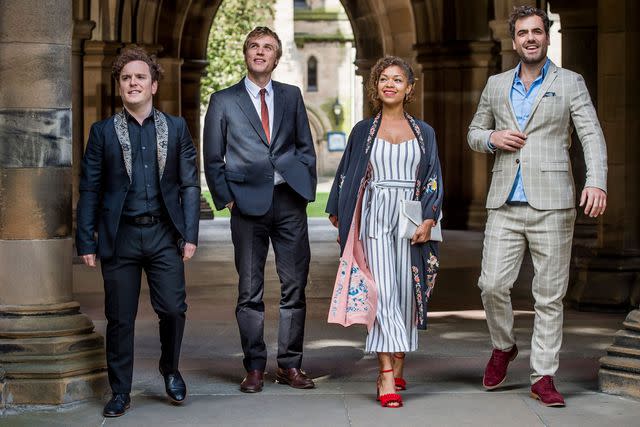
point(254, 93)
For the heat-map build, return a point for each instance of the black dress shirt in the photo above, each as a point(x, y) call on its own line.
point(144, 197)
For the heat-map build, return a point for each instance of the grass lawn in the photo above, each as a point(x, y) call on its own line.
point(314, 209)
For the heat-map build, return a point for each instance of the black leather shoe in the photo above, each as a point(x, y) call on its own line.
point(117, 406)
point(175, 387)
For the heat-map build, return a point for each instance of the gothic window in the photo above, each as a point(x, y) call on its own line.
point(312, 74)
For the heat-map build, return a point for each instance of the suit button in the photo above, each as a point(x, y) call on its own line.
point(517, 161)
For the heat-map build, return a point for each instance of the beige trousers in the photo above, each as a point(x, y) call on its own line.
point(549, 235)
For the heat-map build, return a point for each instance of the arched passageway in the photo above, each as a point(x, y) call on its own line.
point(455, 45)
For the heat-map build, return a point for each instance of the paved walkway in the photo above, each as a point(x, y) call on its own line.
point(444, 376)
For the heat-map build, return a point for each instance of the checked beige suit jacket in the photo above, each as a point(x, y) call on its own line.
point(562, 104)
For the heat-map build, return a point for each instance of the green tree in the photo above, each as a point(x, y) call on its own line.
point(233, 21)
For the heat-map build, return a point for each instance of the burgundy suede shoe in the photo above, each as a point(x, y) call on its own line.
point(496, 371)
point(544, 391)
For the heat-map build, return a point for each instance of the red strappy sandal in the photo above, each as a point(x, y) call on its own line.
point(401, 384)
point(387, 400)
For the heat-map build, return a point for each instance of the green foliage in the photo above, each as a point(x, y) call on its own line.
point(314, 209)
point(233, 21)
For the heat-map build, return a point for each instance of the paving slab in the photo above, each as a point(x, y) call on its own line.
point(444, 375)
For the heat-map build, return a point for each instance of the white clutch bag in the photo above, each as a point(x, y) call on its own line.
point(411, 218)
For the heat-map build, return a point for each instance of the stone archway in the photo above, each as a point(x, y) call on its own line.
point(378, 30)
point(178, 32)
point(458, 43)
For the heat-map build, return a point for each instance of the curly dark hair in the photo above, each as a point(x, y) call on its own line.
point(136, 53)
point(259, 32)
point(381, 65)
point(520, 12)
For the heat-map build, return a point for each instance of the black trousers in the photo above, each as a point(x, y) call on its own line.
point(286, 225)
point(153, 249)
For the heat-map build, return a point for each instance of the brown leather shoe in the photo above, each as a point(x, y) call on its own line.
point(253, 382)
point(294, 377)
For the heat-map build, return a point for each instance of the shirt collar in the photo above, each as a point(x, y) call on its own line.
point(542, 75)
point(129, 117)
point(254, 89)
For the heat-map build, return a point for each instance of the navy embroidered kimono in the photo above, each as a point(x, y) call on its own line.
point(354, 171)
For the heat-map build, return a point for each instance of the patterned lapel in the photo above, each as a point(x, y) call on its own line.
point(243, 100)
point(122, 132)
point(162, 140)
point(419, 187)
point(373, 131)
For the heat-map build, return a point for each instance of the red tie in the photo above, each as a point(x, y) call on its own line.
point(264, 114)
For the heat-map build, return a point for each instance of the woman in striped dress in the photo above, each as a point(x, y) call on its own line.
point(394, 157)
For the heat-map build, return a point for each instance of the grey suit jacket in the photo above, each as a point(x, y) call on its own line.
point(562, 103)
point(239, 163)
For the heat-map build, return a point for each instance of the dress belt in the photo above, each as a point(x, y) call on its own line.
point(142, 220)
point(371, 202)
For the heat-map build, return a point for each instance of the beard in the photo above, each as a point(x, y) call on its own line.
point(530, 59)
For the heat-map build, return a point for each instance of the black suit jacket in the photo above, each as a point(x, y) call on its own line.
point(104, 185)
point(240, 164)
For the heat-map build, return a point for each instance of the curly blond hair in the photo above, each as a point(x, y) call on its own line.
point(381, 65)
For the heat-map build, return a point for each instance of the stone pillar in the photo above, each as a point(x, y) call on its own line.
point(481, 164)
point(81, 32)
point(579, 35)
point(500, 30)
point(50, 352)
point(363, 69)
point(192, 72)
point(168, 97)
point(99, 88)
point(608, 275)
point(619, 234)
point(454, 74)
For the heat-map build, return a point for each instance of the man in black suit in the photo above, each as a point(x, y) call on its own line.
point(260, 163)
point(139, 191)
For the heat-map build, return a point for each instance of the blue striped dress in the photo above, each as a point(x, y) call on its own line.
point(394, 174)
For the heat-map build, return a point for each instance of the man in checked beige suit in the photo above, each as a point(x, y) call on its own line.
point(525, 118)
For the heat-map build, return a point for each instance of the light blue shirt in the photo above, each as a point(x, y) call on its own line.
point(254, 93)
point(522, 102)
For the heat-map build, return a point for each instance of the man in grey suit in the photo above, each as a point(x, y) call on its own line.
point(260, 163)
point(525, 119)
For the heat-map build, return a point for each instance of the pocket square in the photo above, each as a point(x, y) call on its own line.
point(549, 94)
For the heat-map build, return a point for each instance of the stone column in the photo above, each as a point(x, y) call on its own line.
point(579, 35)
point(99, 88)
point(507, 58)
point(168, 97)
point(615, 273)
point(81, 32)
point(363, 69)
point(454, 74)
point(191, 75)
point(50, 352)
point(616, 252)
